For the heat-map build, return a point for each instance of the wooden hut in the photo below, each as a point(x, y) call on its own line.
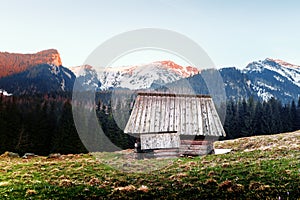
point(174, 124)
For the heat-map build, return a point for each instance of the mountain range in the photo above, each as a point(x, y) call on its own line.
point(43, 72)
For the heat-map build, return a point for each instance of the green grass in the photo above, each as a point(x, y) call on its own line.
point(256, 174)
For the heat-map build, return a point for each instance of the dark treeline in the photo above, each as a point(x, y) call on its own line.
point(39, 124)
point(248, 118)
point(43, 124)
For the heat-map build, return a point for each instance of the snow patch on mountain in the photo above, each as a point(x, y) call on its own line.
point(54, 69)
point(5, 93)
point(263, 79)
point(81, 70)
point(290, 71)
point(278, 78)
point(262, 93)
point(143, 76)
point(274, 78)
point(87, 76)
point(63, 85)
point(261, 84)
point(68, 74)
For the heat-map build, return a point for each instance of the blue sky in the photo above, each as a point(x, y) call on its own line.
point(232, 32)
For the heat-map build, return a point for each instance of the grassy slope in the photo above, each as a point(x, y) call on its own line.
point(266, 167)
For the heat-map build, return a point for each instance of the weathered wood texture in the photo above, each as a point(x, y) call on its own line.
point(161, 140)
point(195, 147)
point(184, 114)
point(159, 153)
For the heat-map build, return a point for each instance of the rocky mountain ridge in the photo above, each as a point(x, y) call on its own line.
point(26, 74)
point(13, 63)
point(261, 79)
point(134, 77)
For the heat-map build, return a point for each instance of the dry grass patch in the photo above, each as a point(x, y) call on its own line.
point(283, 141)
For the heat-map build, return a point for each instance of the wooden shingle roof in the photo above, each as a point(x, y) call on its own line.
point(167, 113)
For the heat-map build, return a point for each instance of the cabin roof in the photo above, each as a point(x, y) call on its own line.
point(168, 113)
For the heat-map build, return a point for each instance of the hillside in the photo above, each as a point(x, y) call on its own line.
point(262, 173)
point(284, 141)
point(12, 63)
point(37, 73)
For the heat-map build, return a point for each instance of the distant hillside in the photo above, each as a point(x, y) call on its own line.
point(40, 79)
point(261, 79)
point(41, 72)
point(12, 63)
point(283, 141)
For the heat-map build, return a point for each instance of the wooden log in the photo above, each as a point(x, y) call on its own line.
point(166, 153)
point(195, 142)
point(193, 152)
point(166, 150)
point(194, 147)
point(159, 153)
point(169, 153)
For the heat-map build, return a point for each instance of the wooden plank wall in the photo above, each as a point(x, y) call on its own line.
point(195, 147)
point(161, 140)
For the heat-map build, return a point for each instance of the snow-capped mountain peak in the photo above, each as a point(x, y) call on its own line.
point(144, 75)
point(273, 77)
point(284, 64)
point(81, 70)
point(263, 79)
point(184, 71)
point(86, 76)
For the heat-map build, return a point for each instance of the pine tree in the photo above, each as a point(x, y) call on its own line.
point(244, 119)
point(258, 119)
point(231, 120)
point(297, 122)
point(275, 122)
point(294, 116)
point(67, 140)
point(286, 118)
point(267, 118)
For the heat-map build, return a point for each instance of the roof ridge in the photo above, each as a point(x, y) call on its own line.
point(173, 94)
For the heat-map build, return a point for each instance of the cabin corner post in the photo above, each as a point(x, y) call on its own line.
point(210, 144)
point(210, 147)
point(137, 145)
point(139, 153)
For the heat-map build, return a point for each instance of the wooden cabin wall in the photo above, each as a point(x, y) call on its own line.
point(189, 146)
point(199, 145)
